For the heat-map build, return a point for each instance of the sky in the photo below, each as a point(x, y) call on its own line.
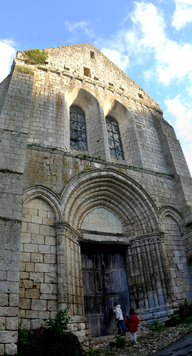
point(149, 40)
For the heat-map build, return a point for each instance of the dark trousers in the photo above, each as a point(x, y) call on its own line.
point(120, 325)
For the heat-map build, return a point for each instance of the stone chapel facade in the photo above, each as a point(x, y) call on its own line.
point(96, 197)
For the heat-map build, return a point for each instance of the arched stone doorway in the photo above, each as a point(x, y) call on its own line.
point(149, 282)
point(103, 270)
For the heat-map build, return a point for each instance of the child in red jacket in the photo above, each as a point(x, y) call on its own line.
point(131, 322)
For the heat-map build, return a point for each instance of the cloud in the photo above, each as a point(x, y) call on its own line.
point(185, 1)
point(147, 40)
point(182, 14)
point(8, 52)
point(183, 125)
point(75, 28)
point(117, 57)
point(72, 27)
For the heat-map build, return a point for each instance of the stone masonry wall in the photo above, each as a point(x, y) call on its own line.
point(38, 269)
point(55, 169)
point(35, 150)
point(3, 90)
point(15, 108)
point(177, 261)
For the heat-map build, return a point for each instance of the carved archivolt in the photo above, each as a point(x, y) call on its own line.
point(115, 191)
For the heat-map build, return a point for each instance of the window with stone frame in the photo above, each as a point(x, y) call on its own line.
point(78, 135)
point(114, 138)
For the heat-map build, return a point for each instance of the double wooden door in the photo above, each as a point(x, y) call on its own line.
point(104, 282)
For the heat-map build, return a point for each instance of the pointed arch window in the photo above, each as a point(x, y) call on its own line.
point(114, 138)
point(78, 135)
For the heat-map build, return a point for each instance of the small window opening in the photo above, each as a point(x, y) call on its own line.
point(96, 78)
point(66, 68)
point(140, 96)
point(78, 135)
point(87, 72)
point(111, 84)
point(92, 55)
point(121, 88)
point(114, 138)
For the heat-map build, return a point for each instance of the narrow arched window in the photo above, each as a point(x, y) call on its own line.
point(114, 138)
point(78, 136)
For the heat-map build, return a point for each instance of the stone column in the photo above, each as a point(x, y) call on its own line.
point(149, 283)
point(70, 288)
point(70, 285)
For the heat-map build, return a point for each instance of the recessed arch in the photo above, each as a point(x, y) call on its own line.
point(115, 191)
point(129, 140)
point(168, 210)
point(39, 191)
point(95, 125)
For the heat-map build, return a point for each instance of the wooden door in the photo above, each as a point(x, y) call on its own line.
point(104, 282)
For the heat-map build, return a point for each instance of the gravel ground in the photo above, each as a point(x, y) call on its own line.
point(148, 343)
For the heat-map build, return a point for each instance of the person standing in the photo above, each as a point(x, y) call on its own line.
point(131, 322)
point(119, 318)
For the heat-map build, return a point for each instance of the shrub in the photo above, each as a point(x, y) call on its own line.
point(119, 342)
point(52, 338)
point(59, 324)
point(49, 345)
point(90, 352)
point(156, 326)
point(184, 312)
point(36, 56)
point(188, 320)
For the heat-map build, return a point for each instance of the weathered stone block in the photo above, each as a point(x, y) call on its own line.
point(50, 258)
point(32, 293)
point(24, 303)
point(10, 349)
point(52, 305)
point(37, 277)
point(48, 288)
point(3, 300)
point(13, 300)
point(2, 323)
point(36, 257)
point(36, 323)
point(31, 314)
point(42, 267)
point(44, 315)
point(25, 324)
point(11, 323)
point(8, 311)
point(2, 348)
point(8, 337)
point(30, 267)
point(39, 305)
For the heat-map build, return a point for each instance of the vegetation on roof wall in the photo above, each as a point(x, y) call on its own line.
point(25, 70)
point(36, 56)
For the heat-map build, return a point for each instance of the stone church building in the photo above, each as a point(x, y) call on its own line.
point(96, 197)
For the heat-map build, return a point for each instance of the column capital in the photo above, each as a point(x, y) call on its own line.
point(65, 228)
